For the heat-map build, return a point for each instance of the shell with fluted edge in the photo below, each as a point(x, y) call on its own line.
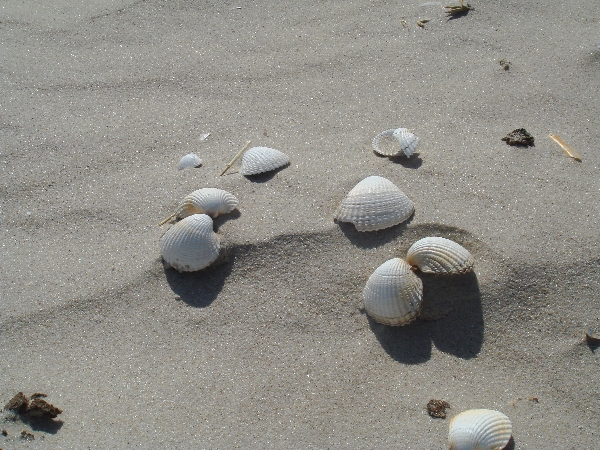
point(393, 294)
point(479, 429)
point(439, 255)
point(210, 201)
point(407, 140)
point(262, 159)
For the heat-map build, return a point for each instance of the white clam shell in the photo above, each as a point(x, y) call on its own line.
point(262, 159)
point(190, 244)
point(408, 142)
point(479, 429)
point(393, 294)
point(209, 201)
point(439, 255)
point(373, 204)
point(190, 160)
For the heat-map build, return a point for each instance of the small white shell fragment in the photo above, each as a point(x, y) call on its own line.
point(408, 142)
point(203, 136)
point(439, 255)
point(190, 160)
point(262, 159)
point(374, 204)
point(479, 429)
point(209, 201)
point(393, 294)
point(190, 244)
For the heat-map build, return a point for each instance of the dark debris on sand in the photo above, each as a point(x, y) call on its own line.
point(437, 408)
point(519, 137)
point(36, 409)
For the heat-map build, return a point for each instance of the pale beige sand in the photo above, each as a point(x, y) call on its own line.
point(271, 349)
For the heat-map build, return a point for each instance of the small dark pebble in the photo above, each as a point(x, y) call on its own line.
point(4, 433)
point(519, 137)
point(27, 435)
point(19, 403)
point(437, 408)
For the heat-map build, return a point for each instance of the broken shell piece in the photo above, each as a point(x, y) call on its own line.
point(393, 294)
point(592, 335)
point(262, 159)
point(190, 244)
point(190, 160)
point(408, 142)
point(569, 151)
point(374, 204)
point(209, 201)
point(479, 429)
point(439, 255)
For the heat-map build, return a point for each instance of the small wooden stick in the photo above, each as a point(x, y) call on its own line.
point(236, 158)
point(167, 219)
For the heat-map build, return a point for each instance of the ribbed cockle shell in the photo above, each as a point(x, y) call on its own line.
point(262, 159)
point(373, 204)
point(211, 201)
point(393, 294)
point(190, 160)
point(439, 255)
point(479, 429)
point(190, 244)
point(408, 142)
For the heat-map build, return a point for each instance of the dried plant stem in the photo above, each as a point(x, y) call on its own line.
point(235, 158)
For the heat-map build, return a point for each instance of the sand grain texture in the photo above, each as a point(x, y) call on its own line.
point(271, 348)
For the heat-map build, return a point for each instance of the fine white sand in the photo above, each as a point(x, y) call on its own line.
point(271, 349)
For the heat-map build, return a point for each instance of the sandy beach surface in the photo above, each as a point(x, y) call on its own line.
point(272, 348)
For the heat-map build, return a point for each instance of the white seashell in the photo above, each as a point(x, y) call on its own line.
point(190, 160)
point(439, 255)
point(393, 294)
point(203, 136)
point(209, 201)
point(373, 204)
point(190, 244)
point(479, 429)
point(262, 159)
point(408, 142)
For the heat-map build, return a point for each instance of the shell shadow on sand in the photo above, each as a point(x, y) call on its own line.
point(370, 239)
point(451, 318)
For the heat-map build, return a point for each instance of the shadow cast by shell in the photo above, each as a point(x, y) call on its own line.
point(373, 239)
point(451, 318)
point(265, 176)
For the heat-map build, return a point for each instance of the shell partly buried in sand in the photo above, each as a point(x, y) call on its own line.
point(190, 160)
point(190, 244)
point(407, 140)
point(262, 159)
point(374, 204)
point(439, 255)
point(479, 429)
point(211, 201)
point(393, 294)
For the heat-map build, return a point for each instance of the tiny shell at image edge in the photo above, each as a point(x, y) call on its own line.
point(190, 244)
point(393, 294)
point(262, 159)
point(479, 429)
point(374, 204)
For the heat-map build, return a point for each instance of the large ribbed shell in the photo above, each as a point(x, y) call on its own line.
point(373, 204)
point(190, 244)
point(408, 142)
point(439, 255)
point(479, 429)
point(262, 159)
point(209, 201)
point(190, 160)
point(393, 294)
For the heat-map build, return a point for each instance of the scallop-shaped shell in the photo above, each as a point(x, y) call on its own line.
point(190, 160)
point(209, 201)
point(439, 255)
point(262, 159)
point(373, 204)
point(479, 429)
point(408, 142)
point(393, 294)
point(190, 244)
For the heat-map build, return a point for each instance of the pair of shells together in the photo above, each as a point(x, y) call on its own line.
point(393, 294)
point(407, 140)
point(191, 244)
point(479, 429)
